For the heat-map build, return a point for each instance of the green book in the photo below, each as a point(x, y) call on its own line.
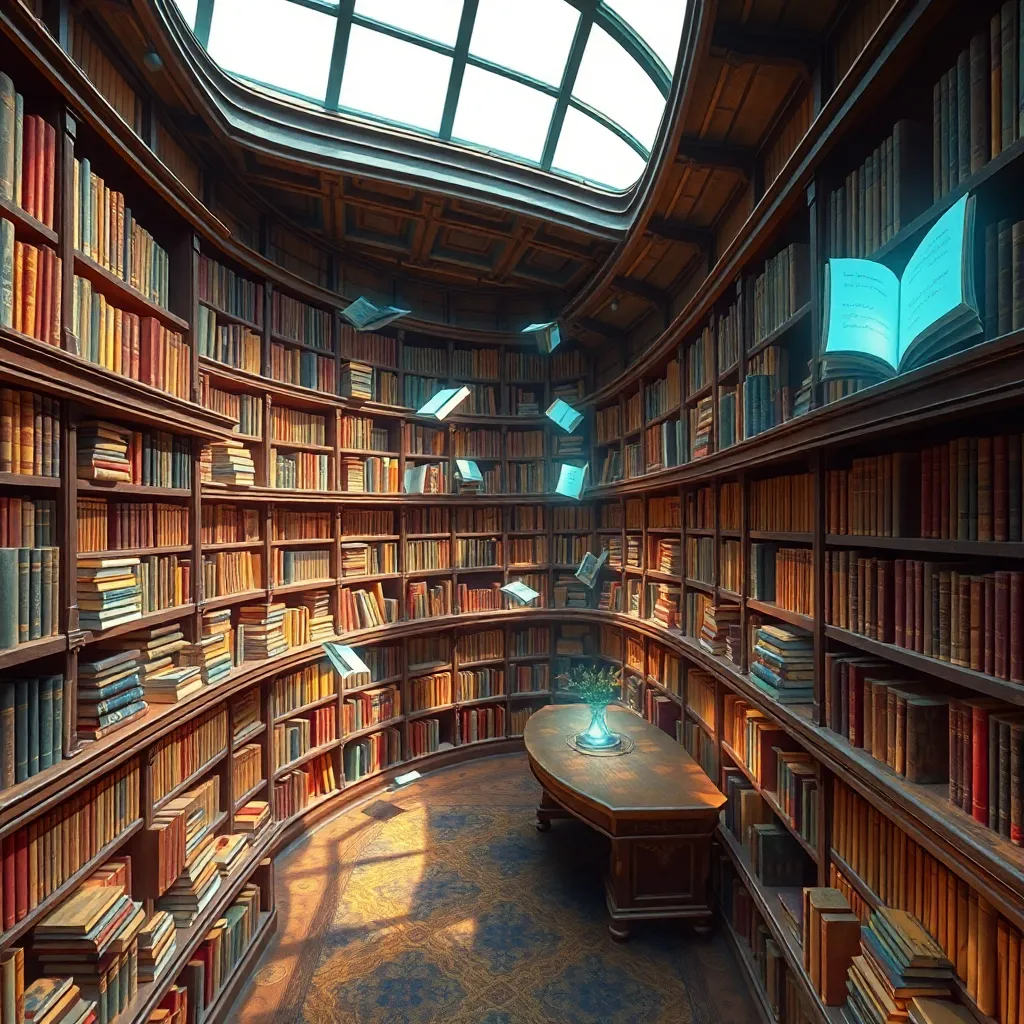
point(33, 727)
point(8, 598)
point(24, 564)
point(20, 730)
point(7, 273)
point(45, 687)
point(6, 735)
point(35, 622)
point(46, 626)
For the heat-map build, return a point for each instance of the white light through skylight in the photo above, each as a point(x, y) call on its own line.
point(613, 83)
point(498, 113)
point(394, 79)
point(530, 36)
point(274, 41)
point(592, 151)
point(433, 19)
point(658, 22)
point(188, 11)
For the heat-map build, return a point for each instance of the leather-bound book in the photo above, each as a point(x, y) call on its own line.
point(927, 735)
point(1013, 486)
point(985, 497)
point(840, 943)
point(1008, 68)
point(976, 614)
point(1016, 627)
point(995, 55)
point(989, 637)
point(1002, 624)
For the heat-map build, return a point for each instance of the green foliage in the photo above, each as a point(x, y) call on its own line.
point(593, 684)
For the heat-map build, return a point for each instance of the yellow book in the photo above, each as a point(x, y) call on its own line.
point(118, 327)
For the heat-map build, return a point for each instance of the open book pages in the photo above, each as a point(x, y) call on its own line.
point(564, 415)
point(363, 315)
point(571, 479)
point(345, 660)
point(468, 471)
point(520, 592)
point(548, 336)
point(590, 567)
point(879, 324)
point(444, 402)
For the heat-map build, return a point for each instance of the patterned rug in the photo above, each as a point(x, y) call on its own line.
point(442, 902)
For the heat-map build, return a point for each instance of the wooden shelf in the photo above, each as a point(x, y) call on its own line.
point(231, 318)
point(118, 490)
point(33, 649)
point(236, 545)
point(309, 755)
point(27, 226)
point(781, 538)
point(301, 446)
point(212, 603)
point(123, 295)
point(254, 730)
point(772, 609)
point(287, 713)
point(176, 549)
point(190, 779)
point(181, 611)
point(929, 546)
point(23, 480)
point(375, 727)
point(412, 715)
point(247, 796)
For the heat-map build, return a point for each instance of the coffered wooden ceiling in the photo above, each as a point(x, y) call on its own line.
point(743, 97)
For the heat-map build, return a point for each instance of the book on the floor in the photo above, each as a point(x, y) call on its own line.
point(363, 315)
point(878, 325)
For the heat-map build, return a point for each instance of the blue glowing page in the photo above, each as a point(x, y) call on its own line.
point(863, 309)
point(932, 283)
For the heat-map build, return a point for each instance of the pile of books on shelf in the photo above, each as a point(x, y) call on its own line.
point(321, 622)
point(715, 627)
point(253, 817)
point(261, 631)
point(701, 419)
point(110, 693)
point(157, 945)
point(227, 462)
point(103, 452)
point(109, 593)
point(782, 663)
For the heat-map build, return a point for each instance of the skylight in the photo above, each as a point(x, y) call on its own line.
point(575, 87)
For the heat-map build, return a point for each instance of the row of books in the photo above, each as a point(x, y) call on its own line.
point(476, 724)
point(370, 707)
point(365, 608)
point(29, 594)
point(116, 525)
point(27, 155)
point(303, 565)
point(231, 344)
point(287, 524)
point(31, 727)
point(245, 410)
point(375, 474)
point(30, 439)
point(361, 559)
point(105, 231)
point(30, 287)
point(304, 471)
point(306, 369)
point(362, 432)
point(246, 768)
point(152, 458)
point(222, 288)
point(299, 321)
point(783, 576)
point(298, 426)
point(27, 522)
point(479, 683)
point(369, 347)
point(231, 572)
point(297, 736)
point(304, 686)
point(372, 754)
point(296, 789)
point(783, 504)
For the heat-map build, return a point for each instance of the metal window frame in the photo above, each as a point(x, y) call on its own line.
point(592, 12)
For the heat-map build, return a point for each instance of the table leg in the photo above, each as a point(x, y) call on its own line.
point(548, 811)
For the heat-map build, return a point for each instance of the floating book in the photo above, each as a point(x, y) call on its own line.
point(416, 478)
point(444, 402)
point(590, 567)
point(363, 315)
point(548, 336)
point(878, 325)
point(345, 660)
point(563, 414)
point(571, 480)
point(520, 592)
point(468, 475)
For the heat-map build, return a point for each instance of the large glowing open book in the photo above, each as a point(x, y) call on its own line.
point(878, 324)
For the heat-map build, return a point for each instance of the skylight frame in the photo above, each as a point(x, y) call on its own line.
point(591, 12)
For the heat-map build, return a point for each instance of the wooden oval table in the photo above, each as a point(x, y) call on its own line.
point(654, 803)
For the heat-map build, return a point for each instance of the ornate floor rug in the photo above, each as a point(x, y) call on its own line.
point(441, 902)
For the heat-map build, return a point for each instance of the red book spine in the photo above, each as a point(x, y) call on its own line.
point(926, 493)
point(49, 161)
point(28, 166)
point(21, 873)
point(40, 168)
point(919, 606)
point(126, 344)
point(900, 602)
point(146, 355)
point(9, 887)
point(1016, 626)
point(979, 762)
point(967, 763)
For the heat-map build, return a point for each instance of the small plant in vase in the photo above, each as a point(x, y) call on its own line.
point(597, 687)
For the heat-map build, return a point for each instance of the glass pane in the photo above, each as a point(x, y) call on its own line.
point(188, 11)
point(501, 114)
point(592, 151)
point(529, 36)
point(434, 19)
point(394, 79)
point(660, 25)
point(276, 42)
point(613, 83)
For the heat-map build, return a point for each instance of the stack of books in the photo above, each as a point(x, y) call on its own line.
point(229, 852)
point(321, 621)
point(56, 1001)
point(899, 961)
point(228, 462)
point(163, 679)
point(220, 659)
point(110, 693)
point(156, 945)
point(701, 422)
point(261, 631)
point(253, 817)
point(103, 452)
point(356, 381)
point(718, 618)
point(108, 592)
point(92, 937)
point(783, 663)
point(210, 654)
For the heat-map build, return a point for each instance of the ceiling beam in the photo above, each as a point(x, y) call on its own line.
point(779, 48)
point(718, 155)
point(676, 231)
point(641, 289)
point(588, 323)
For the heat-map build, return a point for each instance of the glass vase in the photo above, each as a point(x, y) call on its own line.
point(597, 736)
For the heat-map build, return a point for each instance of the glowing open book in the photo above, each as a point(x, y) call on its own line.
point(345, 660)
point(564, 415)
point(363, 315)
point(878, 324)
point(571, 480)
point(590, 567)
point(520, 592)
point(549, 337)
point(444, 402)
